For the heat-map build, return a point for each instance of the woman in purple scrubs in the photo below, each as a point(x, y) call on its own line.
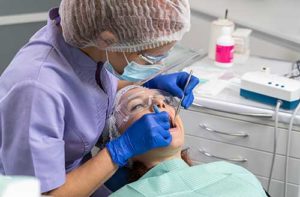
point(59, 89)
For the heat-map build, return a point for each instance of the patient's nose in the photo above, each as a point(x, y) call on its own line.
point(161, 104)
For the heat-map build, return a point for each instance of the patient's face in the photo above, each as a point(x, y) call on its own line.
point(138, 102)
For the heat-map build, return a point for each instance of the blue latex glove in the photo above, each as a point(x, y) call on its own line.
point(149, 132)
point(174, 84)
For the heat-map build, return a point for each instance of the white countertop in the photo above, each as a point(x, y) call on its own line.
point(279, 18)
point(229, 100)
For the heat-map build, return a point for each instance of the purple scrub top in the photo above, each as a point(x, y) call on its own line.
point(52, 111)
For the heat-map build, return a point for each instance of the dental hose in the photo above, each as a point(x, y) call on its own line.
point(278, 104)
point(288, 142)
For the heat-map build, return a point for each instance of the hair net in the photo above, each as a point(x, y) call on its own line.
point(124, 25)
point(112, 122)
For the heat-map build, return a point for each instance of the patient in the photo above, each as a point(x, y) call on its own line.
point(167, 171)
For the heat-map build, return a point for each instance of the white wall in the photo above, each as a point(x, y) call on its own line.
point(16, 28)
point(260, 43)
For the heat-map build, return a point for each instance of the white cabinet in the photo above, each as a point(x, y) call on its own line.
point(249, 144)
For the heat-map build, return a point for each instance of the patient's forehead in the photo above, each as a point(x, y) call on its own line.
point(138, 92)
point(133, 92)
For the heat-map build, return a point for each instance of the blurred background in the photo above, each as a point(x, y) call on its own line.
point(276, 30)
point(19, 19)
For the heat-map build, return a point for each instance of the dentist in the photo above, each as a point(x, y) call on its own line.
point(59, 89)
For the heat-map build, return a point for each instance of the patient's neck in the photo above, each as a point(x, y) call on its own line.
point(152, 161)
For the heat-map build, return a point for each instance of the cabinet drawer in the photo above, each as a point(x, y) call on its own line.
point(259, 137)
point(277, 188)
point(258, 162)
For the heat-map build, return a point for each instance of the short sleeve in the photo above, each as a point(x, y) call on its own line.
point(32, 128)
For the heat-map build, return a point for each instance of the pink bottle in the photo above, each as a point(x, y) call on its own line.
point(225, 49)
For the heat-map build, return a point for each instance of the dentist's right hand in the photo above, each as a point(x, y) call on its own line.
point(149, 132)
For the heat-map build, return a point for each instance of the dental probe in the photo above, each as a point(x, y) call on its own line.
point(156, 109)
point(187, 83)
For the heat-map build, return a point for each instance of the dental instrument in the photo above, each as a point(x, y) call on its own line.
point(288, 147)
point(156, 109)
point(283, 92)
point(179, 104)
point(278, 105)
point(186, 62)
point(268, 88)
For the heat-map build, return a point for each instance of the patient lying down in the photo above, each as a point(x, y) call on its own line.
point(168, 171)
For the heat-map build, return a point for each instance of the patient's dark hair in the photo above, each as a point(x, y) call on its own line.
point(138, 169)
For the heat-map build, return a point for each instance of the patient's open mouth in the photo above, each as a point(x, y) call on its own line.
point(173, 123)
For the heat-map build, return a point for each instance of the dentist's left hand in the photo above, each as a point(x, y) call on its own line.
point(149, 132)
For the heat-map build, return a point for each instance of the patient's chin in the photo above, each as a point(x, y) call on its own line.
point(158, 155)
point(176, 143)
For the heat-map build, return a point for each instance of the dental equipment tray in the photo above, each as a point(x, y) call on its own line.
point(268, 88)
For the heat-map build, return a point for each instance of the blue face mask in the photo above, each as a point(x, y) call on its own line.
point(134, 72)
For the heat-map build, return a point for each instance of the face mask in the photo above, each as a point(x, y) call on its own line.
point(134, 72)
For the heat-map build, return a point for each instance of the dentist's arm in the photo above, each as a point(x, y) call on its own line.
point(149, 132)
point(86, 179)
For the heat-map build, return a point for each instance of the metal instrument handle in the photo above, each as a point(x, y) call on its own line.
point(241, 134)
point(179, 104)
point(223, 158)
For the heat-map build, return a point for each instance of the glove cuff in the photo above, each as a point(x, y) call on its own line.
point(118, 151)
point(152, 84)
point(114, 155)
point(147, 84)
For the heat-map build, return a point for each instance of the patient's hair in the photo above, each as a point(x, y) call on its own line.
point(138, 169)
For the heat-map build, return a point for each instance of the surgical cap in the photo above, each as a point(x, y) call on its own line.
point(124, 25)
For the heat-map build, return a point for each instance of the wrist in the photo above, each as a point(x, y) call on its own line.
point(113, 152)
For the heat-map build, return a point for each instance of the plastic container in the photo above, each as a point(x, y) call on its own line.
point(215, 33)
point(241, 38)
point(225, 49)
